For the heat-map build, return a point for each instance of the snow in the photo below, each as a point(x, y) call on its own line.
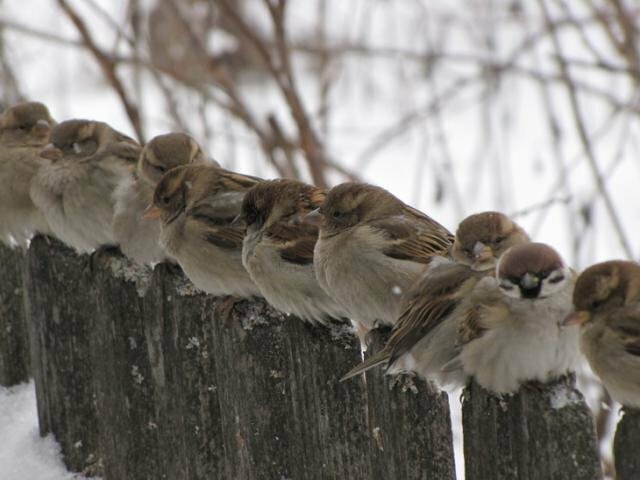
point(563, 396)
point(23, 453)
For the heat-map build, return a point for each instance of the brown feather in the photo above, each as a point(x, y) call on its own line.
point(431, 301)
point(413, 241)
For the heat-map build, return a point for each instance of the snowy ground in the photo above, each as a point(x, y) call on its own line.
point(24, 455)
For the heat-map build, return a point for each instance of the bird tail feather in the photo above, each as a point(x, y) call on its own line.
point(373, 361)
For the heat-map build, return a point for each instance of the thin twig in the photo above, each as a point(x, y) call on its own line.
point(108, 68)
point(583, 135)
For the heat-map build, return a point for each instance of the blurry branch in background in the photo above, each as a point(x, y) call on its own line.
point(279, 66)
point(8, 83)
point(584, 135)
point(108, 67)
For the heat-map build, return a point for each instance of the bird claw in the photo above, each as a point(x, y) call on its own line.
point(405, 381)
point(534, 386)
point(97, 253)
point(225, 309)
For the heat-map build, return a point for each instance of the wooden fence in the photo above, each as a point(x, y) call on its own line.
point(139, 376)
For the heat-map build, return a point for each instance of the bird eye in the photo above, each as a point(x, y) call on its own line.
point(506, 285)
point(556, 279)
point(159, 168)
point(165, 199)
point(336, 214)
point(499, 240)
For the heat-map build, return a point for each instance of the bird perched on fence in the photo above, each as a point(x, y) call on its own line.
point(510, 333)
point(74, 189)
point(607, 306)
point(278, 248)
point(197, 206)
point(424, 338)
point(371, 248)
point(138, 236)
point(24, 131)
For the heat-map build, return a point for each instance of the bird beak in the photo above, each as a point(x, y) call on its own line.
point(152, 212)
point(314, 217)
point(481, 252)
point(42, 128)
point(576, 318)
point(51, 153)
point(529, 281)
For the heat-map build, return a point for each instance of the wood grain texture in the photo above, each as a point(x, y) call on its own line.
point(410, 425)
point(140, 376)
point(541, 432)
point(14, 343)
point(61, 305)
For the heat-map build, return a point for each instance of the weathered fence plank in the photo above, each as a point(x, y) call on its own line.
point(60, 308)
point(123, 392)
point(178, 336)
point(14, 343)
point(626, 445)
point(142, 379)
point(411, 427)
point(542, 432)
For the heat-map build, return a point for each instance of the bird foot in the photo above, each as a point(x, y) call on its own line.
point(534, 386)
point(225, 309)
point(97, 253)
point(404, 381)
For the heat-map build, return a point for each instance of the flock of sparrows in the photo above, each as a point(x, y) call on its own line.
point(487, 303)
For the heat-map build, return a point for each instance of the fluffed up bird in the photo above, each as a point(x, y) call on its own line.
point(74, 188)
point(24, 131)
point(138, 236)
point(371, 248)
point(198, 206)
point(278, 248)
point(607, 306)
point(424, 338)
point(511, 332)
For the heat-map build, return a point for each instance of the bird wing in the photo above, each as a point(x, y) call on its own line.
point(626, 326)
point(294, 240)
point(127, 150)
point(413, 238)
point(436, 295)
point(217, 226)
point(485, 310)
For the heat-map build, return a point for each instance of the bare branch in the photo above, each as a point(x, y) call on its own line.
point(583, 135)
point(108, 68)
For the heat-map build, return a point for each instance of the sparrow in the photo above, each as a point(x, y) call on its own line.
point(138, 236)
point(510, 332)
point(277, 250)
point(423, 339)
point(74, 189)
point(198, 206)
point(371, 248)
point(24, 131)
point(607, 307)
